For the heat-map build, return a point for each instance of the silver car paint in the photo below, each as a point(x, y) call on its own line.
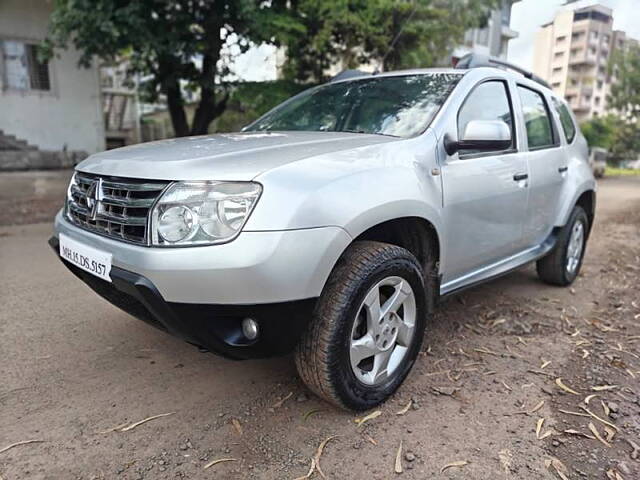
point(257, 267)
point(321, 190)
point(230, 156)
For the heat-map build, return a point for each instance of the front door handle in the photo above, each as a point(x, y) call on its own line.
point(520, 176)
point(563, 169)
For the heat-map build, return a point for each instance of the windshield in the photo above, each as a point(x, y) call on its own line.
point(400, 106)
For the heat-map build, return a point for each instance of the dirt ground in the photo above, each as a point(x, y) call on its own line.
point(516, 380)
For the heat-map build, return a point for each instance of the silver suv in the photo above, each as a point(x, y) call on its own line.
point(332, 225)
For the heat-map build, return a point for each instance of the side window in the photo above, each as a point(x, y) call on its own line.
point(487, 101)
point(565, 119)
point(536, 119)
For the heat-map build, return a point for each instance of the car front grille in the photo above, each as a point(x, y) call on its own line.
point(111, 206)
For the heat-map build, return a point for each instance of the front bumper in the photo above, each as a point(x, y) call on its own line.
point(216, 328)
point(255, 268)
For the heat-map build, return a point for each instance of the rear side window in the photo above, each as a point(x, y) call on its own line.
point(487, 101)
point(565, 119)
point(536, 118)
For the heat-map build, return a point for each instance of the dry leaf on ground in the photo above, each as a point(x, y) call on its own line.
point(236, 425)
point(564, 387)
point(312, 469)
point(220, 460)
point(148, 419)
point(24, 442)
point(536, 408)
point(505, 459)
point(603, 388)
point(319, 453)
point(280, 402)
point(539, 424)
point(595, 432)
point(559, 467)
point(571, 431)
point(398, 464)
point(371, 416)
point(459, 463)
point(600, 419)
point(311, 413)
point(405, 409)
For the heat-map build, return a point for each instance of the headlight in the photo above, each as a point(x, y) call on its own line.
point(202, 213)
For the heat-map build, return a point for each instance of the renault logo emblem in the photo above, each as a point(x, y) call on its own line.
point(93, 196)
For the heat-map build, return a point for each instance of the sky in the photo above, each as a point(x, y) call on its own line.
point(258, 64)
point(528, 15)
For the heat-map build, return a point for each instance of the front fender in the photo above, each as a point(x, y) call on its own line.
point(355, 189)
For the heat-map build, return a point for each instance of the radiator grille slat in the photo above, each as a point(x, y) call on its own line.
point(115, 207)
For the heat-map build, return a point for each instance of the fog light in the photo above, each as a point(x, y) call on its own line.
point(250, 328)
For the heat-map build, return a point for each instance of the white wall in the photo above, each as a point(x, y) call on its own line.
point(69, 114)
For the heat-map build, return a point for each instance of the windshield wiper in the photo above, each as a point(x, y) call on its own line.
point(366, 133)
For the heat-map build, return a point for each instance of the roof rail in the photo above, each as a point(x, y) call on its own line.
point(475, 60)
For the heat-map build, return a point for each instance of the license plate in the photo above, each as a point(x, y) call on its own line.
point(87, 258)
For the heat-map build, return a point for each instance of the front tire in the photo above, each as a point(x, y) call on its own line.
point(562, 265)
point(367, 327)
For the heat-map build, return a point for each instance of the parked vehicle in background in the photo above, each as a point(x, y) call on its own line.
point(333, 224)
point(598, 161)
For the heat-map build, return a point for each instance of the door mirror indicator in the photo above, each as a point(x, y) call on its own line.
point(486, 135)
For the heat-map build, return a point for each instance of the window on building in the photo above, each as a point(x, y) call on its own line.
point(558, 55)
point(565, 119)
point(488, 101)
point(557, 71)
point(594, 35)
point(555, 85)
point(596, 101)
point(22, 69)
point(536, 118)
point(600, 84)
point(561, 39)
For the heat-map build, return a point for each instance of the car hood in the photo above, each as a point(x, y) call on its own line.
point(231, 156)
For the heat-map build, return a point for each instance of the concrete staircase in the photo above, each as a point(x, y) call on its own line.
point(17, 154)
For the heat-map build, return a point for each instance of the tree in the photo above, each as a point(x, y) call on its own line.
point(177, 44)
point(395, 33)
point(625, 90)
point(599, 131)
point(625, 99)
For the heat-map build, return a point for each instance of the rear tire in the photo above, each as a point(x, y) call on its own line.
point(562, 265)
point(367, 327)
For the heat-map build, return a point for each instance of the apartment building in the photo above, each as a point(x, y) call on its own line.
point(572, 53)
point(493, 39)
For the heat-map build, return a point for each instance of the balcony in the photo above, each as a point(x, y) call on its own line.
point(583, 58)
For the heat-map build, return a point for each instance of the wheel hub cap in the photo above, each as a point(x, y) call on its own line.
point(383, 330)
point(575, 247)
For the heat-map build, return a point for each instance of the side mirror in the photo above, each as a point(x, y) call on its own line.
point(481, 135)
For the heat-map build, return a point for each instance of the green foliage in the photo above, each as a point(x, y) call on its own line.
point(397, 33)
point(599, 131)
point(625, 91)
point(177, 44)
point(249, 100)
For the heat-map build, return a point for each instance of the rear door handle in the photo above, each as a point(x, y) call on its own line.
point(563, 169)
point(520, 176)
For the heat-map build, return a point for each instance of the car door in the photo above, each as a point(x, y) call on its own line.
point(547, 165)
point(484, 193)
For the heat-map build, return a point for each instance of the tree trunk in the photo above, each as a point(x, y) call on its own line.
point(176, 110)
point(170, 86)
